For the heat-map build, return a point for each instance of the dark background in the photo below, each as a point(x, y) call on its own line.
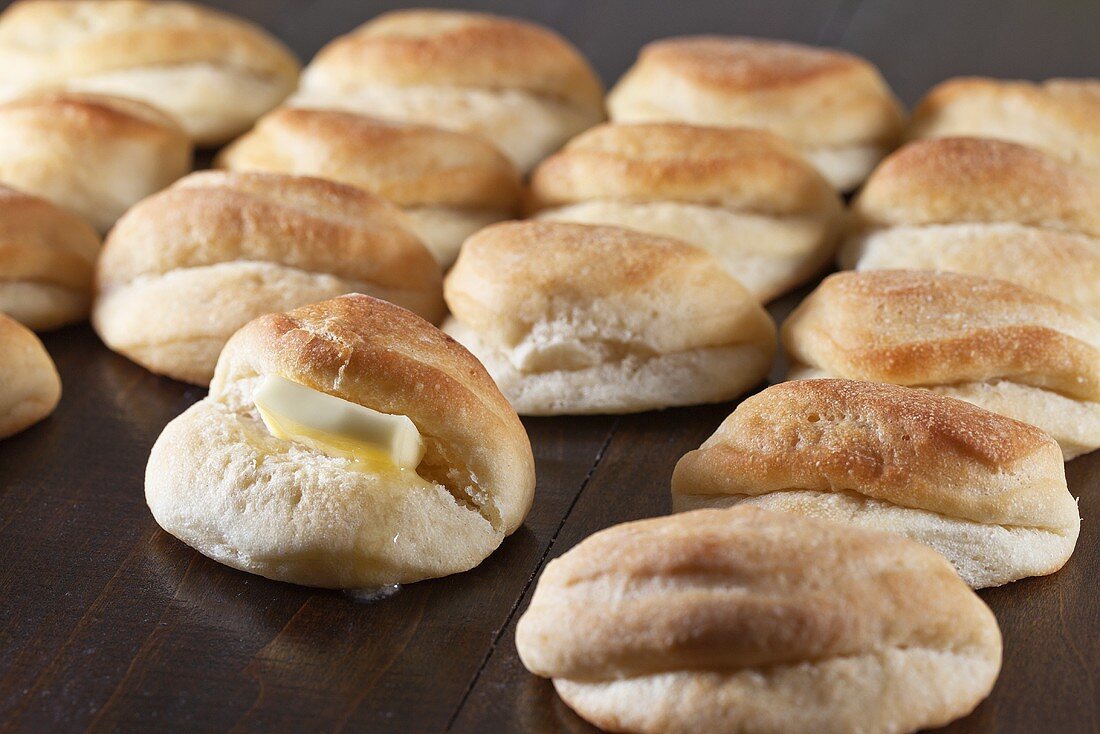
point(109, 624)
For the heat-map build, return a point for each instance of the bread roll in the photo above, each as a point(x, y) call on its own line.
point(989, 342)
point(572, 318)
point(987, 492)
point(186, 268)
point(46, 260)
point(93, 155)
point(1058, 115)
point(835, 107)
point(449, 184)
point(213, 72)
point(29, 384)
point(984, 207)
point(744, 620)
point(518, 85)
point(745, 196)
point(219, 481)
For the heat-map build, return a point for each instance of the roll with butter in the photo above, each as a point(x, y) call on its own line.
point(344, 444)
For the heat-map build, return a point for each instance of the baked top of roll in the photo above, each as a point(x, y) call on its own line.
point(923, 329)
point(29, 384)
point(212, 217)
point(948, 180)
point(98, 117)
point(408, 164)
point(1058, 115)
point(739, 168)
point(49, 42)
point(44, 243)
point(778, 85)
point(718, 595)
point(460, 49)
point(911, 448)
point(602, 283)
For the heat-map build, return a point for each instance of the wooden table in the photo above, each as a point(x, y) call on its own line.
point(109, 624)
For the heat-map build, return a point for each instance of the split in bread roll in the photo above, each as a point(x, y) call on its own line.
point(213, 72)
point(518, 85)
point(744, 620)
point(325, 503)
point(47, 255)
point(186, 268)
point(93, 155)
point(984, 207)
point(988, 342)
point(987, 492)
point(449, 184)
point(30, 387)
point(745, 196)
point(1058, 115)
point(572, 319)
point(835, 107)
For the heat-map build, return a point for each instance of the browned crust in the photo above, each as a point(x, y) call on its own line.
point(41, 242)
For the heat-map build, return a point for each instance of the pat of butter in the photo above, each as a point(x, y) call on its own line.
point(336, 427)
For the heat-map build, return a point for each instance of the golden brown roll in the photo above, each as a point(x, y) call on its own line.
point(211, 71)
point(744, 620)
point(745, 196)
point(219, 480)
point(518, 85)
point(987, 492)
point(988, 342)
point(93, 155)
point(449, 184)
point(835, 107)
point(46, 259)
point(572, 318)
point(1058, 115)
point(186, 268)
point(29, 384)
point(984, 207)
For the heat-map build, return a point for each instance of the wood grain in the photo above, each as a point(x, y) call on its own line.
point(108, 624)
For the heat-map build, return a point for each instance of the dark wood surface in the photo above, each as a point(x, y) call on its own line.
point(109, 624)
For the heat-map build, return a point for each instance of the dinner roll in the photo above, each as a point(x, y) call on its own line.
point(29, 384)
point(449, 184)
point(46, 260)
point(572, 318)
point(989, 342)
point(745, 196)
point(221, 482)
point(987, 492)
point(1058, 115)
point(834, 106)
point(744, 620)
point(516, 84)
point(91, 154)
point(213, 72)
point(186, 268)
point(985, 207)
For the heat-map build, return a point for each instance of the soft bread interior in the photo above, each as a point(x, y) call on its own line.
point(846, 166)
point(443, 229)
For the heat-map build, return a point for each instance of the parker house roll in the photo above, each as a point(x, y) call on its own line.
point(345, 444)
point(29, 384)
point(91, 154)
point(745, 196)
point(1058, 115)
point(46, 259)
point(518, 85)
point(213, 72)
point(744, 620)
point(834, 106)
point(186, 268)
point(985, 207)
point(987, 492)
point(989, 342)
point(572, 319)
point(449, 184)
